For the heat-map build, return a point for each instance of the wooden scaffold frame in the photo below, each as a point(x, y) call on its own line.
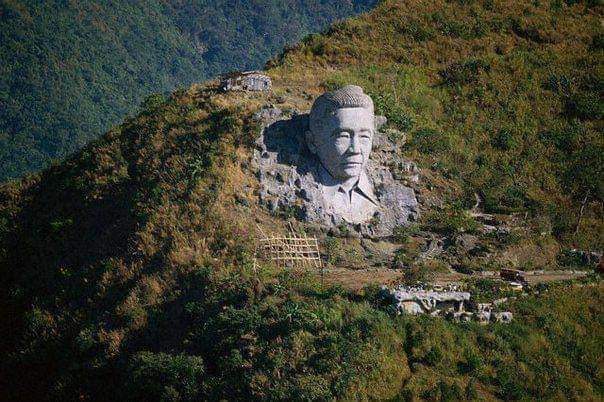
point(295, 250)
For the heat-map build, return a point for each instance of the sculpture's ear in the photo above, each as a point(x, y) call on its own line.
point(310, 143)
point(380, 121)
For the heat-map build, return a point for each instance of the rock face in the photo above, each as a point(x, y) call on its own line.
point(308, 173)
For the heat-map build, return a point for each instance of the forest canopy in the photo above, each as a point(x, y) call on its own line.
point(71, 69)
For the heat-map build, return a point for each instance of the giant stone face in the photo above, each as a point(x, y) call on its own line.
point(341, 134)
point(334, 185)
point(341, 131)
point(344, 142)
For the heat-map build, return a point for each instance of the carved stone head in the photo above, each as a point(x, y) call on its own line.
point(342, 125)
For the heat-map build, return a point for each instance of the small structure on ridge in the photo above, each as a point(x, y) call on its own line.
point(245, 81)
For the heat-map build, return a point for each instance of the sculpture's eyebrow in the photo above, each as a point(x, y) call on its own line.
point(338, 130)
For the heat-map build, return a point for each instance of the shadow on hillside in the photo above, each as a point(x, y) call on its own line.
point(74, 254)
point(66, 231)
point(286, 139)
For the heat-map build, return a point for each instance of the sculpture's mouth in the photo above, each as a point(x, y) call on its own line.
point(351, 163)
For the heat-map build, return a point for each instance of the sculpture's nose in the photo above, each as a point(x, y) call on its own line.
point(355, 145)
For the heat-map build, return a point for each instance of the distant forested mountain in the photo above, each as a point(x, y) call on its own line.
point(69, 69)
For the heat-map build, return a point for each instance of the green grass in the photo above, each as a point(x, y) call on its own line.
point(501, 98)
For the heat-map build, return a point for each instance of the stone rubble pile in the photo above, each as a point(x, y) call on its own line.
point(448, 303)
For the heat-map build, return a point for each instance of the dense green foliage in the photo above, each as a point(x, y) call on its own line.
point(71, 69)
point(237, 34)
point(127, 271)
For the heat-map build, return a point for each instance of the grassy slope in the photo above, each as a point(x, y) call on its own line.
point(501, 97)
point(128, 267)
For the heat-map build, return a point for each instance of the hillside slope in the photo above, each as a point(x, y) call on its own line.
point(127, 270)
point(70, 70)
point(503, 99)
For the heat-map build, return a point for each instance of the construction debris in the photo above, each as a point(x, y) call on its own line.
point(448, 303)
point(415, 301)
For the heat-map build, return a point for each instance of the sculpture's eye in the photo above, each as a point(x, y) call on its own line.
point(344, 134)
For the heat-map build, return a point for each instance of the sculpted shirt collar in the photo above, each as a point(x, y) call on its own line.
point(363, 186)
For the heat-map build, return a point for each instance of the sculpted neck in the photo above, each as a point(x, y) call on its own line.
point(348, 184)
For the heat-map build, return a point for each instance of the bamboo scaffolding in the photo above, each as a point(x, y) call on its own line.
point(295, 250)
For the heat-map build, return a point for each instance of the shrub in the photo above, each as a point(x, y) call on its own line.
point(152, 103)
point(403, 258)
point(597, 41)
point(585, 106)
point(471, 364)
point(450, 221)
point(397, 116)
point(402, 234)
point(504, 140)
point(464, 73)
point(430, 141)
point(333, 250)
point(418, 31)
point(417, 272)
point(458, 28)
point(165, 377)
point(575, 259)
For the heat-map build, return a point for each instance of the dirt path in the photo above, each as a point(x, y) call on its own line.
point(358, 278)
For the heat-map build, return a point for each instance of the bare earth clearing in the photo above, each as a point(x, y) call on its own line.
point(359, 278)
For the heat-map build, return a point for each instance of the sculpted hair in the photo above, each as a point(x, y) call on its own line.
point(346, 97)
